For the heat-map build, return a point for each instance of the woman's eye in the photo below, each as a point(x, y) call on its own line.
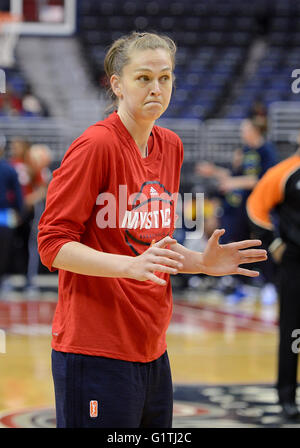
point(146, 78)
point(143, 78)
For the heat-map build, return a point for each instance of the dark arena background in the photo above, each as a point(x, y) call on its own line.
point(237, 60)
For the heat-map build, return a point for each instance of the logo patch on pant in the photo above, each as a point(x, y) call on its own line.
point(93, 408)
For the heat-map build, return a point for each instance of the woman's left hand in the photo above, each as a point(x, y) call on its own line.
point(224, 259)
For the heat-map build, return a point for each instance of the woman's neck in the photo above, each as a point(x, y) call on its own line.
point(139, 131)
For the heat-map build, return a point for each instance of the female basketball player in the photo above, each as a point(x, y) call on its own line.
point(107, 227)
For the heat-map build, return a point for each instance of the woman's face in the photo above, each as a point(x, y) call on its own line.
point(249, 134)
point(144, 89)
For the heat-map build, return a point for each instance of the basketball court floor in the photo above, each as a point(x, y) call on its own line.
point(223, 358)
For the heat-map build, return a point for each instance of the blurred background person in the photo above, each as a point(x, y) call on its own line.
point(234, 185)
point(249, 163)
point(10, 103)
point(41, 158)
point(30, 166)
point(205, 211)
point(279, 189)
point(11, 204)
point(259, 114)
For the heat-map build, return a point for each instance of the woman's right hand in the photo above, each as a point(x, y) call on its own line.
point(155, 259)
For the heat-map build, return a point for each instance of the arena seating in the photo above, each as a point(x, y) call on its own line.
point(19, 101)
point(214, 41)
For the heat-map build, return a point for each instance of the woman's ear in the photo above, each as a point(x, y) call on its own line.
point(116, 85)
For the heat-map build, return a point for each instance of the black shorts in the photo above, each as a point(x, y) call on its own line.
point(99, 392)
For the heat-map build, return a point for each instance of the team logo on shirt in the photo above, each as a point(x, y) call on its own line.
point(153, 192)
point(150, 216)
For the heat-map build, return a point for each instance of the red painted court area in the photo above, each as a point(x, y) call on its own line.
point(215, 318)
point(23, 316)
point(19, 316)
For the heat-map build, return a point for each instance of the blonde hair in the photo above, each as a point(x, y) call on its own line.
point(118, 55)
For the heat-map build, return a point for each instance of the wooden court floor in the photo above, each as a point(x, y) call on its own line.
point(208, 344)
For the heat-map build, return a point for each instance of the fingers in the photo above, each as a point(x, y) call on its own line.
point(252, 256)
point(217, 234)
point(253, 253)
point(162, 268)
point(168, 261)
point(164, 242)
point(153, 278)
point(246, 243)
point(168, 253)
point(159, 259)
point(214, 239)
point(247, 272)
point(150, 275)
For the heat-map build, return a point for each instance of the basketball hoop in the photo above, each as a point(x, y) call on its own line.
point(9, 34)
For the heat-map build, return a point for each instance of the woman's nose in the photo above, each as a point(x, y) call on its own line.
point(155, 88)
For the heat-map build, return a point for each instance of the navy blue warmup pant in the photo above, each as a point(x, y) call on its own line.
point(99, 392)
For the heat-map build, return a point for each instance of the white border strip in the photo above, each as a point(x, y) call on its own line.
point(47, 29)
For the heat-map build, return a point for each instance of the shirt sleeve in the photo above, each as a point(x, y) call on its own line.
point(263, 199)
point(71, 196)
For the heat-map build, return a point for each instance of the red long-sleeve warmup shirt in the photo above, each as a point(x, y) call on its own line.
point(106, 196)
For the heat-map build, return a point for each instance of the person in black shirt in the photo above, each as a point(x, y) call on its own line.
point(279, 189)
